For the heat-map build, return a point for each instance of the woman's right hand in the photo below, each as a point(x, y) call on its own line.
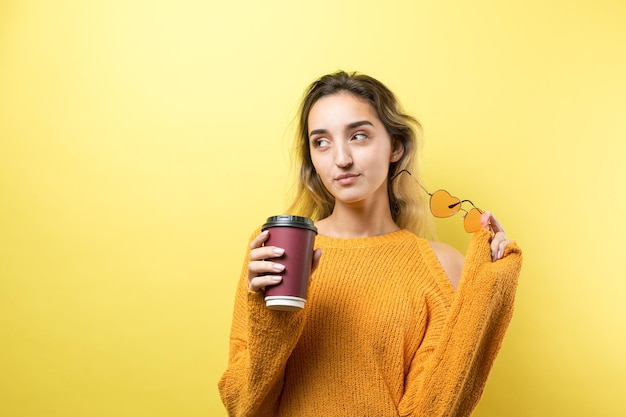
point(262, 271)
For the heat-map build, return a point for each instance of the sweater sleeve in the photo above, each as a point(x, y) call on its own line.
point(447, 378)
point(261, 341)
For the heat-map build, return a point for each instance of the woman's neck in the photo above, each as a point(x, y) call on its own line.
point(352, 222)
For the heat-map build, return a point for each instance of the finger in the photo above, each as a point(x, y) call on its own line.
point(256, 268)
point(485, 220)
point(495, 225)
point(489, 222)
point(266, 252)
point(502, 247)
point(499, 247)
point(495, 245)
point(317, 254)
point(263, 273)
point(262, 281)
point(258, 241)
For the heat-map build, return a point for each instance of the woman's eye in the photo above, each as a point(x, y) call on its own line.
point(359, 136)
point(320, 143)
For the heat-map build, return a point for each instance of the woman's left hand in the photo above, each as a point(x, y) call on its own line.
point(499, 242)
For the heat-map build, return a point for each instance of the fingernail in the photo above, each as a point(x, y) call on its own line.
point(278, 251)
point(500, 254)
point(276, 278)
point(493, 257)
point(279, 267)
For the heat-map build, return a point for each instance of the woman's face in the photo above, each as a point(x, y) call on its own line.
point(350, 148)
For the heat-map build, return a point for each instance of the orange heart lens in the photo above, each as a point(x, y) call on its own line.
point(442, 204)
point(471, 223)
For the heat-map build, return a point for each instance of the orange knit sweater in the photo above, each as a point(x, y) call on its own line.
point(382, 333)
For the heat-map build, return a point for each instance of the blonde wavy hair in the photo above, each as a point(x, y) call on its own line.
point(409, 205)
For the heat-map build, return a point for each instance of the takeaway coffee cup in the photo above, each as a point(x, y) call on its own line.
point(296, 235)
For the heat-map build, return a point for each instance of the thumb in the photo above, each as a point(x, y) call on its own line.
point(317, 254)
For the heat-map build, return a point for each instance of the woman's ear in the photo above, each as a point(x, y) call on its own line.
point(397, 152)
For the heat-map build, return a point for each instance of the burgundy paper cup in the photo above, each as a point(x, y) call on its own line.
point(296, 235)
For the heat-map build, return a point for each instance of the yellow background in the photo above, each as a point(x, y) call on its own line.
point(142, 141)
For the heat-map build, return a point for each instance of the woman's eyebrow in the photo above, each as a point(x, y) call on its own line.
point(318, 132)
point(352, 125)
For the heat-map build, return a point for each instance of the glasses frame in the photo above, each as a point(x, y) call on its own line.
point(469, 224)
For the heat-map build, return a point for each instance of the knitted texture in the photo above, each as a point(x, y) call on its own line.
point(382, 333)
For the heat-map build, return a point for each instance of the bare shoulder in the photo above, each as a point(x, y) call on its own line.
point(451, 261)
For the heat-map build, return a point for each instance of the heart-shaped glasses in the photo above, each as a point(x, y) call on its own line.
point(442, 205)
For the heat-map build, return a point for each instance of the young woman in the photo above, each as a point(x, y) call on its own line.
point(394, 325)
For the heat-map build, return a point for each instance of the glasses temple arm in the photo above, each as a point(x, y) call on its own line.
point(464, 201)
point(418, 183)
point(460, 202)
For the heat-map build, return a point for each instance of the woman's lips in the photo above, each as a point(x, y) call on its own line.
point(346, 179)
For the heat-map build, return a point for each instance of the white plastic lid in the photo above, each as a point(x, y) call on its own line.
point(285, 303)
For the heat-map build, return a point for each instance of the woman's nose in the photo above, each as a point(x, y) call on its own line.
point(343, 158)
